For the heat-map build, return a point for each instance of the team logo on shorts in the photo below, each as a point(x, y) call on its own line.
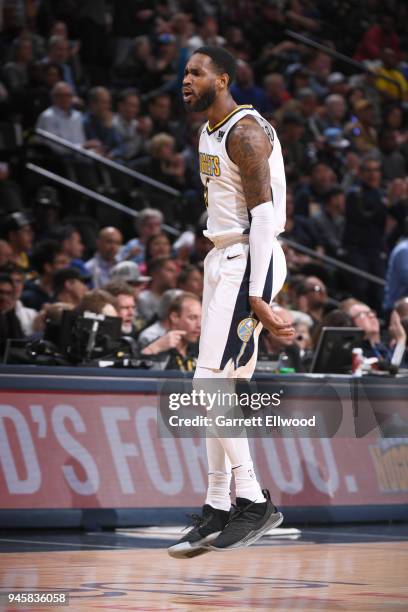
point(246, 329)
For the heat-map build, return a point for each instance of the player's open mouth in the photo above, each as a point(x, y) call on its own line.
point(187, 95)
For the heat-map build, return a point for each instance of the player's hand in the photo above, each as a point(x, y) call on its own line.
point(271, 321)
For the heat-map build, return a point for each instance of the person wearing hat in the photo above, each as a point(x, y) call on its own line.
point(19, 234)
point(129, 272)
point(69, 286)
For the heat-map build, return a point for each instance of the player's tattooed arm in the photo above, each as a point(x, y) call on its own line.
point(249, 148)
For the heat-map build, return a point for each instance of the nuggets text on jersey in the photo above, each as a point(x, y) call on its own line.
point(210, 164)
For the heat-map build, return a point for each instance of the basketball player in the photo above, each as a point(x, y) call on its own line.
point(242, 170)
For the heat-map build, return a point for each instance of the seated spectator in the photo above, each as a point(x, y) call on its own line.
point(160, 111)
point(138, 67)
point(98, 301)
point(328, 222)
point(106, 257)
point(276, 94)
point(17, 72)
point(294, 147)
point(373, 346)
point(244, 90)
point(396, 285)
point(25, 315)
point(389, 68)
point(163, 271)
point(10, 327)
point(72, 245)
point(98, 123)
point(62, 120)
point(335, 112)
point(161, 326)
point(285, 351)
point(178, 348)
point(125, 306)
point(163, 164)
point(334, 318)
point(46, 259)
point(312, 298)
point(379, 36)
point(331, 150)
point(18, 232)
point(207, 35)
point(190, 279)
point(393, 164)
point(59, 54)
point(310, 197)
point(362, 131)
point(148, 223)
point(69, 286)
point(133, 131)
point(129, 272)
point(158, 245)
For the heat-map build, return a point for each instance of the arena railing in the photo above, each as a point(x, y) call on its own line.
point(342, 58)
point(79, 150)
point(64, 182)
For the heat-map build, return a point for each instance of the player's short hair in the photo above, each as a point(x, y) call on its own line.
point(223, 61)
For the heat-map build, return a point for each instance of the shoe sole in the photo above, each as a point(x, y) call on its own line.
point(188, 550)
point(273, 521)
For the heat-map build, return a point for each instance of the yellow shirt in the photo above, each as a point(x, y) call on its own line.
point(389, 88)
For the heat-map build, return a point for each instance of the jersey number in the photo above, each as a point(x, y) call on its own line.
point(206, 192)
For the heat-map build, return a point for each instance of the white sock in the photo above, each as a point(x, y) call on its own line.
point(219, 476)
point(246, 483)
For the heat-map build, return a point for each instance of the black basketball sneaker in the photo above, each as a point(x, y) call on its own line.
point(206, 528)
point(247, 524)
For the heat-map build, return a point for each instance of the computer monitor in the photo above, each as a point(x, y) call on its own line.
point(334, 348)
point(88, 336)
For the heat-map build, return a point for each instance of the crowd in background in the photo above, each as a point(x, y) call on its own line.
point(106, 75)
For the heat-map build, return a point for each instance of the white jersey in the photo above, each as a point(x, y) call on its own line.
point(223, 193)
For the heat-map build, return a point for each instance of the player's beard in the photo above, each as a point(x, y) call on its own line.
point(203, 102)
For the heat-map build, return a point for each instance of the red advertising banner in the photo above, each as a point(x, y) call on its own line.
point(93, 450)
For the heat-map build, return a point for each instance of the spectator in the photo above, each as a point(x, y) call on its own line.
point(162, 325)
point(137, 68)
point(378, 37)
point(208, 35)
point(125, 305)
point(69, 286)
point(159, 111)
point(276, 94)
point(309, 198)
point(363, 238)
point(244, 90)
point(293, 146)
point(59, 53)
point(158, 245)
point(71, 243)
point(190, 279)
point(46, 259)
point(328, 222)
point(285, 351)
point(10, 327)
point(129, 272)
point(163, 271)
point(373, 346)
point(335, 112)
point(148, 224)
point(178, 349)
point(17, 72)
point(98, 301)
point(98, 123)
point(393, 164)
point(312, 298)
point(19, 234)
point(26, 316)
point(62, 120)
point(391, 91)
point(163, 164)
point(362, 132)
point(106, 257)
point(396, 286)
point(334, 318)
point(132, 130)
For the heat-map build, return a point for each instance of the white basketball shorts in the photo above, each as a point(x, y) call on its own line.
point(229, 333)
